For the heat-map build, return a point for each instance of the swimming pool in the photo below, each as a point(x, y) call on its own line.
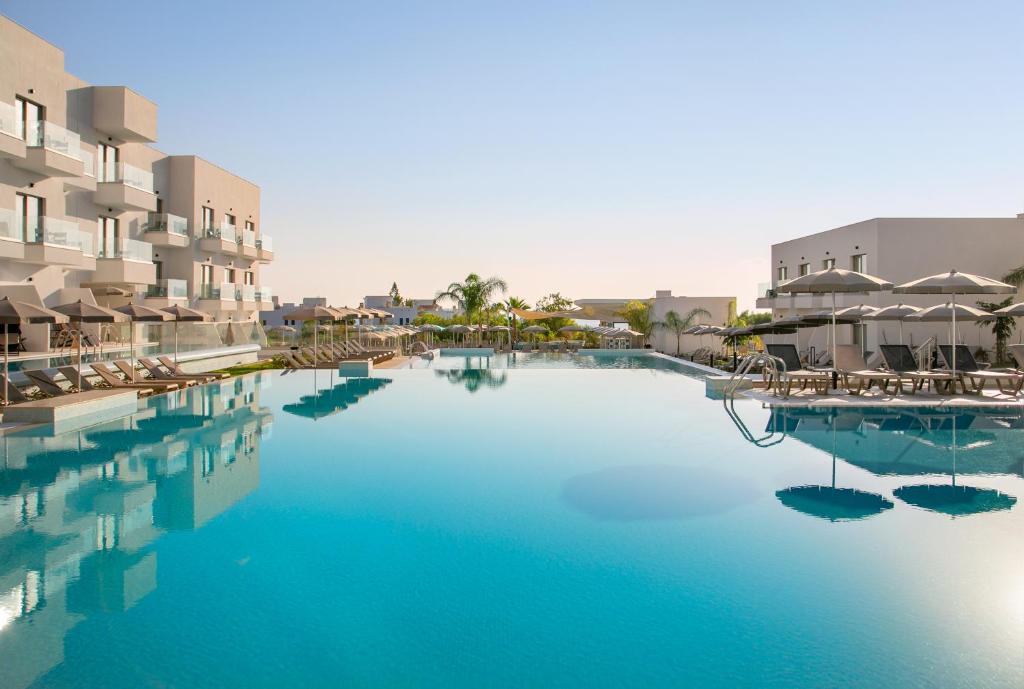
point(516, 527)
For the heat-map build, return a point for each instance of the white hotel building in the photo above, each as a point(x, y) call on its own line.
point(898, 250)
point(90, 210)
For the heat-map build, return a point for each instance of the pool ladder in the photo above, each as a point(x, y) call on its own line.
point(774, 370)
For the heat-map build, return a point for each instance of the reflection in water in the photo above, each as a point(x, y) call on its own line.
point(657, 491)
point(908, 442)
point(474, 378)
point(829, 502)
point(336, 398)
point(80, 511)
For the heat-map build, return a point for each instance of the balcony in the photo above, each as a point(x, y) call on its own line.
point(164, 229)
point(247, 244)
point(51, 151)
point(221, 296)
point(167, 292)
point(12, 237)
point(265, 248)
point(12, 140)
point(124, 186)
point(221, 240)
point(123, 114)
point(247, 295)
point(87, 182)
point(125, 262)
point(264, 299)
point(52, 241)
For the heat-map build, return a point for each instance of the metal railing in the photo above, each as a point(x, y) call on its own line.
point(924, 353)
point(774, 369)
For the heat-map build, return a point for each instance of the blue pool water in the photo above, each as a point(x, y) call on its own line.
point(523, 527)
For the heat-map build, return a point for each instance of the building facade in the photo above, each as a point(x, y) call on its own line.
point(898, 250)
point(90, 209)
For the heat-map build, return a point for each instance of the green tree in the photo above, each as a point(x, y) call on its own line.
point(396, 296)
point(677, 324)
point(1002, 327)
point(637, 315)
point(513, 322)
point(554, 302)
point(474, 295)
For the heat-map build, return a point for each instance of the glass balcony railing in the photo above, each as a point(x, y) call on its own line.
point(9, 228)
point(246, 293)
point(263, 294)
point(54, 137)
point(168, 288)
point(88, 162)
point(57, 233)
point(209, 291)
point(229, 291)
point(225, 232)
point(9, 122)
point(126, 174)
point(166, 222)
point(248, 238)
point(128, 250)
point(265, 242)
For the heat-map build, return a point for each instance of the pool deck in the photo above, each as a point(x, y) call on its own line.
point(876, 398)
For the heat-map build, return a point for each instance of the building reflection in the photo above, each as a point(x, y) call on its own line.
point(80, 512)
point(908, 442)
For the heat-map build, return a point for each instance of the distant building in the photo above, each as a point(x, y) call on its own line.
point(898, 250)
point(276, 317)
point(403, 315)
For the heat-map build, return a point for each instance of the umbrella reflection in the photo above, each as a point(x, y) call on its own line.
point(336, 398)
point(951, 499)
point(474, 378)
point(829, 502)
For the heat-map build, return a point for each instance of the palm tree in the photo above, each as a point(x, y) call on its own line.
point(638, 316)
point(474, 295)
point(1002, 326)
point(677, 324)
point(507, 306)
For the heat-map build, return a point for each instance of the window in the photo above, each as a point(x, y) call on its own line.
point(828, 263)
point(106, 163)
point(206, 275)
point(159, 270)
point(229, 275)
point(29, 117)
point(783, 273)
point(109, 236)
point(207, 218)
point(249, 225)
point(804, 269)
point(249, 277)
point(858, 263)
point(229, 219)
point(28, 217)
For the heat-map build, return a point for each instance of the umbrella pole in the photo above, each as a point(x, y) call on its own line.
point(175, 342)
point(901, 331)
point(953, 343)
point(131, 340)
point(835, 349)
point(79, 338)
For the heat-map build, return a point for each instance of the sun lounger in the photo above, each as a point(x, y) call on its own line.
point(14, 393)
point(111, 379)
point(176, 370)
point(856, 375)
point(819, 380)
point(290, 360)
point(1009, 383)
point(71, 374)
point(134, 375)
point(157, 373)
point(899, 359)
point(45, 381)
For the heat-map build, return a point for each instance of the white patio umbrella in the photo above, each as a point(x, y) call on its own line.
point(16, 313)
point(186, 315)
point(140, 314)
point(834, 281)
point(80, 312)
point(954, 283)
point(950, 313)
point(896, 312)
point(858, 312)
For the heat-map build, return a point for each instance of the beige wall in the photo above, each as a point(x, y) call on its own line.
point(721, 309)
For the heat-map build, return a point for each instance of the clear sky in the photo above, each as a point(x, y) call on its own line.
point(600, 149)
